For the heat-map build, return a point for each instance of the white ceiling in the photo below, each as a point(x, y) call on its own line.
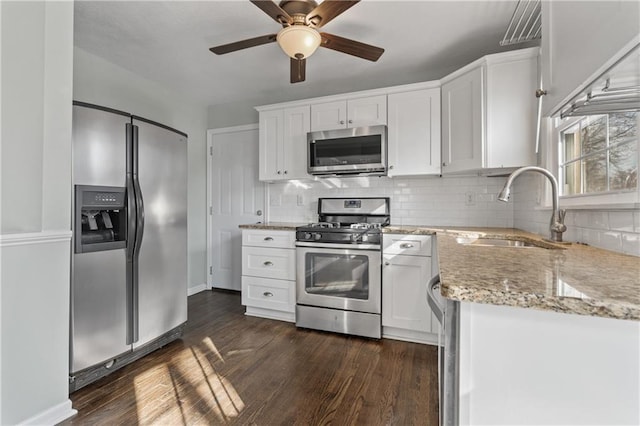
point(168, 42)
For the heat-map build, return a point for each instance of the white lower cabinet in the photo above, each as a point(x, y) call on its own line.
point(268, 274)
point(406, 270)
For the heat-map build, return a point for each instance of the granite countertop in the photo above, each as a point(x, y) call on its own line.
point(572, 278)
point(273, 226)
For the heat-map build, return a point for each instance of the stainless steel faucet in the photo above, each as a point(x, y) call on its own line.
point(557, 226)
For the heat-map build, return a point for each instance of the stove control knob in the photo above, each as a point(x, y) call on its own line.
point(307, 235)
point(317, 236)
point(365, 238)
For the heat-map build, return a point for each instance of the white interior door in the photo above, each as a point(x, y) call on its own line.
point(236, 197)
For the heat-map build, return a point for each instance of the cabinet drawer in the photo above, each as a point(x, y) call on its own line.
point(415, 245)
point(266, 238)
point(269, 294)
point(269, 263)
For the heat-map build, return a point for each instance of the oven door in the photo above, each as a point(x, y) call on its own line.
point(339, 276)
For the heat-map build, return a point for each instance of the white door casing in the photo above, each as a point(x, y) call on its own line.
point(234, 197)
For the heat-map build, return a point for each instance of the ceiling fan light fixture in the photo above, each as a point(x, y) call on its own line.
point(297, 40)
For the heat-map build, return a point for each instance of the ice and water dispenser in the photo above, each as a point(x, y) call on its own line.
point(100, 218)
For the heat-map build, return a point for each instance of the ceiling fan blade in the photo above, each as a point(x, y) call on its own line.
point(298, 70)
point(351, 47)
point(276, 12)
point(327, 10)
point(243, 44)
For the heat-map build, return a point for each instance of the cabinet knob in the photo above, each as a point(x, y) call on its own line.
point(267, 263)
point(279, 172)
point(444, 164)
point(268, 238)
point(386, 264)
point(285, 172)
point(341, 121)
point(267, 294)
point(390, 167)
point(350, 121)
point(406, 245)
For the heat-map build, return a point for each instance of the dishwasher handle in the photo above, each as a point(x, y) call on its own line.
point(433, 295)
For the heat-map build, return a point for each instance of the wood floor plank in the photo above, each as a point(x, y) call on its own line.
point(233, 369)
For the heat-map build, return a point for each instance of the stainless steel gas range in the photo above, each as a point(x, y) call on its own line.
point(339, 267)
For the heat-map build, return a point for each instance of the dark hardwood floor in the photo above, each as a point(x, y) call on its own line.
point(233, 369)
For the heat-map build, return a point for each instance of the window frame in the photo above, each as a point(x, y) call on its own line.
point(622, 199)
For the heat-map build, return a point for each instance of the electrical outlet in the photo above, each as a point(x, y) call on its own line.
point(300, 200)
point(274, 200)
point(470, 199)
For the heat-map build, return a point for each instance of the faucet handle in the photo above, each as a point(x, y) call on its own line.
point(561, 214)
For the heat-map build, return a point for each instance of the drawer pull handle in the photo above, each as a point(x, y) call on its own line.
point(268, 238)
point(267, 263)
point(406, 245)
point(267, 294)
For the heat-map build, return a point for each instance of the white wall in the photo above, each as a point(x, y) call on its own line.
point(578, 38)
point(432, 201)
point(103, 83)
point(37, 65)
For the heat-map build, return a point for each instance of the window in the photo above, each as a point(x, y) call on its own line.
point(598, 155)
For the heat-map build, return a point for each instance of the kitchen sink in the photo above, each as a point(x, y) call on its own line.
point(496, 242)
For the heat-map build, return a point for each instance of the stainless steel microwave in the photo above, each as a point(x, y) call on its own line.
point(354, 151)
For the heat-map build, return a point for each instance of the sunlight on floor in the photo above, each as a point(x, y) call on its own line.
point(199, 393)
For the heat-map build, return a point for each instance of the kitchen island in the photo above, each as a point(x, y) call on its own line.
point(571, 356)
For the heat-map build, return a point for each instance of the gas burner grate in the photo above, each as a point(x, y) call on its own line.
point(366, 226)
point(324, 225)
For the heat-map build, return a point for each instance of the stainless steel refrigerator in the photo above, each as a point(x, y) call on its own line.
point(129, 263)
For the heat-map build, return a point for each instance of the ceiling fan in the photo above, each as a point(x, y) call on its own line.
point(299, 36)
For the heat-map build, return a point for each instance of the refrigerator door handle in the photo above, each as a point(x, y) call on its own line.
point(139, 232)
point(132, 276)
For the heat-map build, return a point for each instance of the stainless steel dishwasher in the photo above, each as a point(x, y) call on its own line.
point(448, 313)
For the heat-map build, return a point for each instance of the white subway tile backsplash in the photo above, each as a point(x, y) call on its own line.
point(631, 244)
point(611, 240)
point(621, 221)
point(442, 202)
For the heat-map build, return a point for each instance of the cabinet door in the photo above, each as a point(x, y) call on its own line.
point(329, 116)
point(271, 139)
point(369, 111)
point(297, 123)
point(462, 122)
point(414, 133)
point(404, 292)
point(511, 113)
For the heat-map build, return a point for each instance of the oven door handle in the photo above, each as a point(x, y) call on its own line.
point(339, 246)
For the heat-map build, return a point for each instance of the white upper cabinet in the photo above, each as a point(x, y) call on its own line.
point(489, 113)
point(413, 139)
point(283, 143)
point(367, 111)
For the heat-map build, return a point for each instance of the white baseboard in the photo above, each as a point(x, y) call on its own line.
point(196, 289)
point(53, 415)
point(409, 335)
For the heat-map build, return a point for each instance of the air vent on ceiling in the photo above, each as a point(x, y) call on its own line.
point(525, 24)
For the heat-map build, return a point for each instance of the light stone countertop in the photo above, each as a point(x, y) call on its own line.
point(273, 226)
point(572, 278)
